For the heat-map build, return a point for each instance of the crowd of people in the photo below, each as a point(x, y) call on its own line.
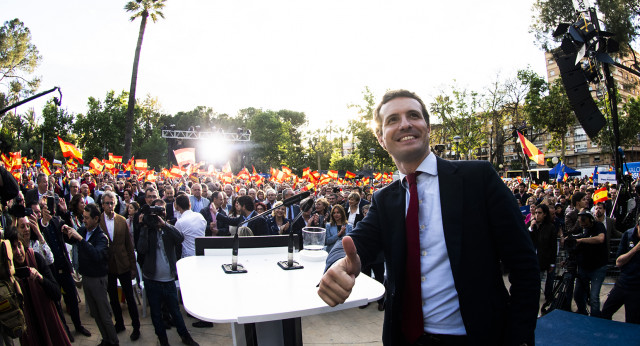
point(101, 230)
point(568, 211)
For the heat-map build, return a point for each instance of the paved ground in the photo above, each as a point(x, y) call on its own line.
point(346, 327)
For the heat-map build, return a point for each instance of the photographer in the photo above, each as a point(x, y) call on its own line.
point(592, 257)
point(157, 243)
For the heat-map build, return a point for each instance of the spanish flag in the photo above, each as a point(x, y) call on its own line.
point(185, 156)
point(349, 175)
point(141, 164)
point(600, 195)
point(333, 174)
point(70, 151)
point(96, 164)
point(530, 150)
point(306, 172)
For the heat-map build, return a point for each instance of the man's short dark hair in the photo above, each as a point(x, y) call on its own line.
point(148, 189)
point(601, 204)
point(183, 202)
point(41, 175)
point(214, 195)
point(577, 197)
point(92, 209)
point(522, 184)
point(393, 94)
point(246, 202)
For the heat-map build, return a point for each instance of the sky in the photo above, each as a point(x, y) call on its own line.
point(314, 57)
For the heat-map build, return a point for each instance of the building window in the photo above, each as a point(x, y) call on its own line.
point(584, 161)
point(552, 73)
point(596, 159)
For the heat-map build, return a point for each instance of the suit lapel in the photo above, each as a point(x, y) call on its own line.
point(451, 204)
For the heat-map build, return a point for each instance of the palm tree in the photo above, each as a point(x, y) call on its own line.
point(141, 9)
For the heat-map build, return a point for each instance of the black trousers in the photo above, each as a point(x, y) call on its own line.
point(127, 290)
point(618, 297)
point(70, 295)
point(378, 273)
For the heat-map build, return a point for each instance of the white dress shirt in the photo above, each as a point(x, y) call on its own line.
point(440, 304)
point(109, 223)
point(190, 225)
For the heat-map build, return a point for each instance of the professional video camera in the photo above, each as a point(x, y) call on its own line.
point(152, 214)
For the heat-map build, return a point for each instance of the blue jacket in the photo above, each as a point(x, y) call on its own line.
point(332, 234)
point(93, 254)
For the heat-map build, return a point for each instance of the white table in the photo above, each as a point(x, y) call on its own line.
point(267, 302)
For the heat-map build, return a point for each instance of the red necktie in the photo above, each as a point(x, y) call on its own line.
point(413, 326)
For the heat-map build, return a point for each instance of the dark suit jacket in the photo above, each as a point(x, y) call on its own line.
point(482, 227)
point(122, 259)
point(258, 226)
point(223, 227)
point(93, 254)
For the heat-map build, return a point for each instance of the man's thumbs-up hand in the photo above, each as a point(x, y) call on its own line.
point(337, 282)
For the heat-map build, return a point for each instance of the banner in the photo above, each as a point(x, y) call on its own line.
point(604, 177)
point(633, 168)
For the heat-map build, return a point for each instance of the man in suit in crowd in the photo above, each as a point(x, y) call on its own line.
point(93, 258)
point(74, 189)
point(258, 226)
point(34, 195)
point(294, 209)
point(609, 223)
point(215, 228)
point(122, 264)
point(445, 285)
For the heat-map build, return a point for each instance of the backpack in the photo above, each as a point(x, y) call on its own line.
point(12, 321)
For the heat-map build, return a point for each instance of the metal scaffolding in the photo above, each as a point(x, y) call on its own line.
point(239, 136)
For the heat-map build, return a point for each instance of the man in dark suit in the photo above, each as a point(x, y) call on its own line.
point(443, 258)
point(292, 210)
point(34, 195)
point(258, 226)
point(122, 264)
point(216, 228)
point(93, 257)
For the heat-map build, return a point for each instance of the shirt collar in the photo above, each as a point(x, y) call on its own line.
point(428, 165)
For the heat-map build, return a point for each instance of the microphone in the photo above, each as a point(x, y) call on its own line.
point(296, 198)
point(234, 267)
point(290, 264)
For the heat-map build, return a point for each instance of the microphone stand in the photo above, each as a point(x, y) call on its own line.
point(235, 267)
point(290, 264)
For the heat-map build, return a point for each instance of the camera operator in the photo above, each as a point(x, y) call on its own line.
point(627, 288)
point(157, 243)
point(592, 256)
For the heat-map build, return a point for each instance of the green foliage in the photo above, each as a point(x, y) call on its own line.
point(361, 129)
point(57, 122)
point(154, 149)
point(18, 60)
point(458, 114)
point(547, 107)
point(620, 17)
point(628, 123)
point(101, 130)
point(346, 163)
point(320, 149)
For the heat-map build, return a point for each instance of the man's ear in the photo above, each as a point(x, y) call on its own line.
point(380, 140)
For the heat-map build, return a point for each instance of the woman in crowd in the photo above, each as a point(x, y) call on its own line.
point(76, 208)
point(29, 231)
point(127, 199)
point(260, 196)
point(544, 236)
point(354, 214)
point(337, 227)
point(278, 222)
point(234, 212)
point(132, 209)
point(40, 292)
point(531, 202)
point(322, 208)
point(260, 207)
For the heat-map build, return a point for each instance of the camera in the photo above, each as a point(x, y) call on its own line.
point(152, 214)
point(51, 205)
point(22, 272)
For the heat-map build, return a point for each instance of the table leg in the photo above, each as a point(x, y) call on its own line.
point(272, 333)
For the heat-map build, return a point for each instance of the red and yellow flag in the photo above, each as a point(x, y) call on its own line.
point(96, 164)
point(70, 151)
point(600, 195)
point(531, 150)
point(333, 174)
point(141, 164)
point(349, 175)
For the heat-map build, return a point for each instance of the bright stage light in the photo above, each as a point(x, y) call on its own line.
point(214, 149)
